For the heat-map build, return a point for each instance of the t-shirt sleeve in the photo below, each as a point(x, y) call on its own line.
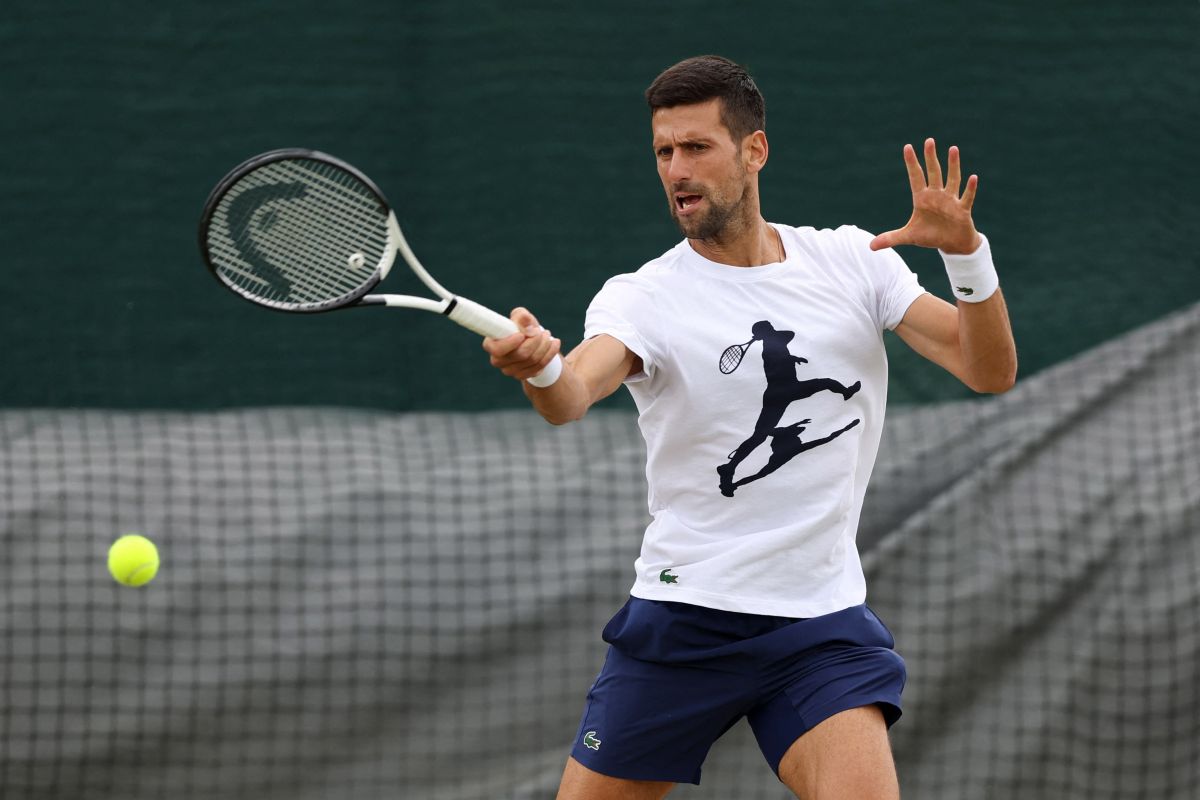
point(623, 309)
point(892, 286)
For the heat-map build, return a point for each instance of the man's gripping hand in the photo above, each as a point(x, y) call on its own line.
point(525, 353)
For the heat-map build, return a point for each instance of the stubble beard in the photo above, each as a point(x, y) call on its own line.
point(719, 222)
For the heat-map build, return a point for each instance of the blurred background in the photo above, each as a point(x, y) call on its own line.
point(383, 576)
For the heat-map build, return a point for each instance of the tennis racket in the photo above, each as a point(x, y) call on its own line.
point(301, 231)
point(732, 357)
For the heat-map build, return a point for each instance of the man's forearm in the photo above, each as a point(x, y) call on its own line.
point(985, 339)
point(565, 400)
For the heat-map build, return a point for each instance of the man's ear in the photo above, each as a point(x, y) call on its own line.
point(754, 151)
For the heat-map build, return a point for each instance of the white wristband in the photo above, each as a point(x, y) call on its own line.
point(973, 276)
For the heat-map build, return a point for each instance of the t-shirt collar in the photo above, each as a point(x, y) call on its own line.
point(726, 272)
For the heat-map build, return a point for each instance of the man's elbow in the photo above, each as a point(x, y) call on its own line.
point(561, 416)
point(995, 383)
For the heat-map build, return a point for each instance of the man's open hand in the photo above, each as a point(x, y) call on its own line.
point(940, 218)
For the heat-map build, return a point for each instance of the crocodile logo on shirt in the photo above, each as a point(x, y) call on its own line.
point(666, 577)
point(967, 290)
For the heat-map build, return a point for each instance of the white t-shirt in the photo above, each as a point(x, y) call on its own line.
point(776, 534)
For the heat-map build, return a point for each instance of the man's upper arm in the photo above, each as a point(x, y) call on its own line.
point(973, 341)
point(930, 327)
point(602, 363)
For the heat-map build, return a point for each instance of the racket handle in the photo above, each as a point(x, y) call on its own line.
point(485, 322)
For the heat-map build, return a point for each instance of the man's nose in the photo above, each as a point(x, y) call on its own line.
point(678, 169)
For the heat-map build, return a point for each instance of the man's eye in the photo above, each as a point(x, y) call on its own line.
point(663, 152)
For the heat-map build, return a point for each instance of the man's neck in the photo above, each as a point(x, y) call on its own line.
point(757, 245)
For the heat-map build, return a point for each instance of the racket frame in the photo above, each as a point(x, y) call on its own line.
point(471, 315)
point(248, 166)
point(742, 350)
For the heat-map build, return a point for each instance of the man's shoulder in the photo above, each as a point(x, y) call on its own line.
point(842, 235)
point(846, 248)
point(666, 264)
point(653, 272)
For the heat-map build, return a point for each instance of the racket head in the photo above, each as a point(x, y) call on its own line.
point(297, 230)
point(731, 357)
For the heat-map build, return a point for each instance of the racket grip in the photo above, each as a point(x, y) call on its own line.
point(480, 319)
point(485, 322)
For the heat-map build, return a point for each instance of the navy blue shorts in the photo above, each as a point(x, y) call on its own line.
point(677, 676)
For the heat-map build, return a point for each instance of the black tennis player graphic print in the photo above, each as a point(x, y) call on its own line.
point(783, 388)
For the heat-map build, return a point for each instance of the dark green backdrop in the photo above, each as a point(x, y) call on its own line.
point(513, 139)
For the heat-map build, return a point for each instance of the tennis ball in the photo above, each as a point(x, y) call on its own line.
point(133, 560)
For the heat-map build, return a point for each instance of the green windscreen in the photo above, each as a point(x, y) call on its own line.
point(513, 141)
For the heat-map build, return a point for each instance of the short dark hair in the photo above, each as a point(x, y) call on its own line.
point(703, 78)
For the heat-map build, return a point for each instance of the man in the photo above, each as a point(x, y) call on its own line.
point(753, 604)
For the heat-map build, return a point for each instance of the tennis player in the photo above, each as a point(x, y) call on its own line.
point(751, 603)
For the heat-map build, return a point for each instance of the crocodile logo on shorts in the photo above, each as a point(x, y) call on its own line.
point(666, 577)
point(590, 740)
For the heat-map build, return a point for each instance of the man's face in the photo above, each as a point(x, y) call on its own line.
point(700, 167)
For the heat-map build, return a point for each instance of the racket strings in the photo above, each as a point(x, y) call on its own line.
point(312, 240)
point(322, 229)
point(292, 247)
point(291, 254)
point(732, 357)
point(345, 199)
point(339, 198)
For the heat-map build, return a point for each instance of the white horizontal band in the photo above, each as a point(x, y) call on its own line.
point(973, 277)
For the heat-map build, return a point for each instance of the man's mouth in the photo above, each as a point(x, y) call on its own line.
point(686, 203)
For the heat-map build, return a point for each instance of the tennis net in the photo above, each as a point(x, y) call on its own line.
point(369, 605)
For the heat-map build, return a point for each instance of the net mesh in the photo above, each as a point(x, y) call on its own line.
point(298, 234)
point(367, 605)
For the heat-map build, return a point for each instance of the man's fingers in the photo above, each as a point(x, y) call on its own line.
point(547, 349)
point(533, 362)
point(533, 346)
point(968, 198)
point(932, 167)
point(521, 356)
point(504, 346)
point(916, 178)
point(889, 239)
point(524, 319)
point(526, 352)
point(953, 172)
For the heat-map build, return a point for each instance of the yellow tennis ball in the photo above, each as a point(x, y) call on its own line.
point(133, 560)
